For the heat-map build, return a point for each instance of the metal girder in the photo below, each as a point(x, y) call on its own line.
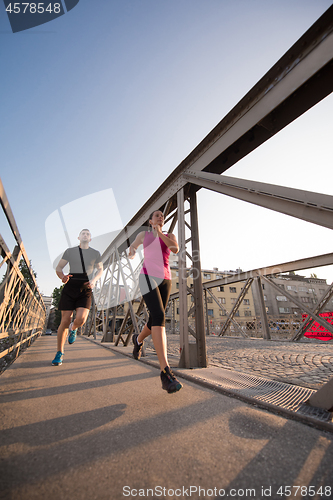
point(197, 282)
point(262, 308)
point(12, 223)
point(183, 324)
point(295, 265)
point(306, 205)
point(240, 297)
point(299, 80)
point(22, 311)
point(312, 314)
point(198, 357)
point(229, 317)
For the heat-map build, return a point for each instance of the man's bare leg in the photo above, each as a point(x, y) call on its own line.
point(80, 318)
point(62, 330)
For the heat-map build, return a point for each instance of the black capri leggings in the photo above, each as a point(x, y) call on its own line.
point(156, 293)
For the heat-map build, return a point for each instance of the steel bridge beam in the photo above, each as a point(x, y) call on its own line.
point(295, 265)
point(299, 80)
point(306, 205)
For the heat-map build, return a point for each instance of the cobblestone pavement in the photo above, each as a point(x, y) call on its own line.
point(307, 364)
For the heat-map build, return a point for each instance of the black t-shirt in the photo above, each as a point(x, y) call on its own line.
point(91, 257)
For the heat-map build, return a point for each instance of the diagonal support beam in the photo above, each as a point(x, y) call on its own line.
point(236, 307)
point(305, 205)
point(314, 315)
point(311, 313)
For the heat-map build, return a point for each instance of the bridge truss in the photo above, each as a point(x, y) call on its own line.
point(22, 310)
point(298, 81)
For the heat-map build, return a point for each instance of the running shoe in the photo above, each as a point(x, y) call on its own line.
point(169, 381)
point(137, 350)
point(71, 334)
point(58, 359)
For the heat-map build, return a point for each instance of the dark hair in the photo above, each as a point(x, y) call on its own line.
point(150, 217)
point(85, 229)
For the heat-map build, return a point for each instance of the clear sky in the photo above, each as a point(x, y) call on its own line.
point(116, 93)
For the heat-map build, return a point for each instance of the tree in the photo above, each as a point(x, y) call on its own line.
point(27, 274)
point(56, 294)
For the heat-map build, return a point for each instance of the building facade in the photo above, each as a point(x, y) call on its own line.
point(307, 291)
point(218, 302)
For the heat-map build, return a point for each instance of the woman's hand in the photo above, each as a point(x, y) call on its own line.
point(131, 252)
point(158, 229)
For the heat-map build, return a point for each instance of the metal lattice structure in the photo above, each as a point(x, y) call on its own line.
point(298, 81)
point(22, 310)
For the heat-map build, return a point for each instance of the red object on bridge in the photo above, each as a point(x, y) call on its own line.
point(317, 331)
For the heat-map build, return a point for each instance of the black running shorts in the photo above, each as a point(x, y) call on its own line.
point(75, 294)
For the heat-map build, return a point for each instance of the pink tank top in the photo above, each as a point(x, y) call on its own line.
point(156, 257)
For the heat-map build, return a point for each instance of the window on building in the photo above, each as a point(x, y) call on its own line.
point(210, 299)
point(177, 310)
point(322, 291)
point(221, 288)
point(222, 300)
point(206, 276)
point(302, 289)
point(233, 301)
point(265, 297)
point(232, 289)
point(306, 300)
point(223, 313)
point(237, 314)
point(281, 298)
point(293, 288)
point(247, 313)
point(246, 302)
point(284, 310)
point(177, 286)
point(210, 312)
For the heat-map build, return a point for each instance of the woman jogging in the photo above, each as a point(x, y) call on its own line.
point(155, 286)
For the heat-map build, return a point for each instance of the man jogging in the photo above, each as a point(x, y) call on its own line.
point(77, 292)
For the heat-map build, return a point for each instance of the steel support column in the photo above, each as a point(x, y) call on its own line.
point(191, 354)
point(197, 282)
point(263, 316)
point(183, 317)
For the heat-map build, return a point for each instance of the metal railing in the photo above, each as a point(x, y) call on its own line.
point(22, 310)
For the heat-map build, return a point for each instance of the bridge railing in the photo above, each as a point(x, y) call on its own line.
point(22, 310)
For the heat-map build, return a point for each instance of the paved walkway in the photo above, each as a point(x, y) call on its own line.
point(100, 427)
point(306, 363)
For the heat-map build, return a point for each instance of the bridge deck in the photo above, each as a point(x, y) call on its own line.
point(99, 426)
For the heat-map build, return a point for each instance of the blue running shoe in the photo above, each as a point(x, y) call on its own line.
point(58, 359)
point(71, 334)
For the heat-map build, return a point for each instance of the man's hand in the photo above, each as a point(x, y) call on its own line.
point(89, 285)
point(66, 278)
